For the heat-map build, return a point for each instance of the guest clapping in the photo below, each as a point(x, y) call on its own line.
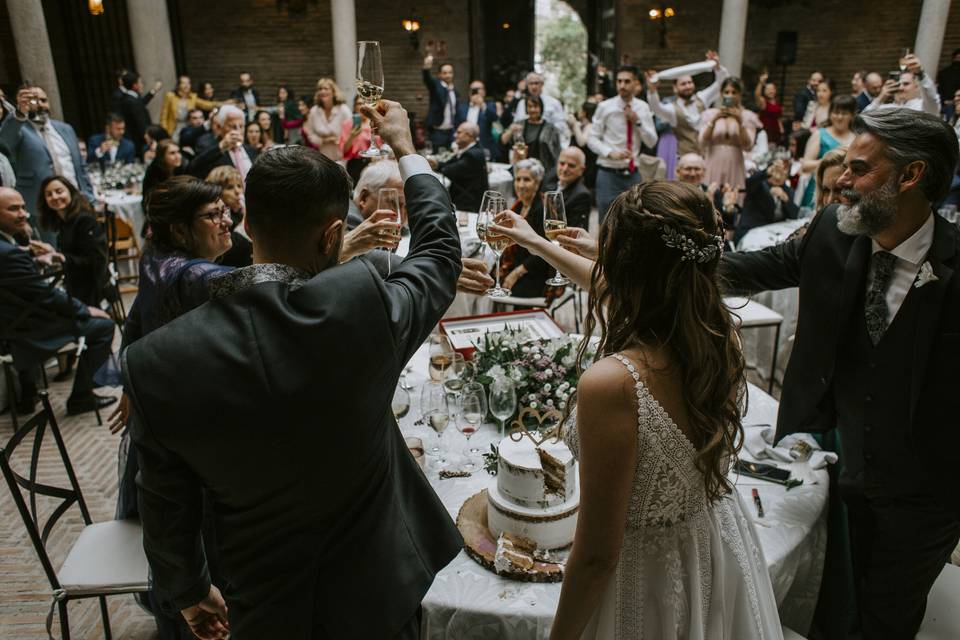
point(80, 239)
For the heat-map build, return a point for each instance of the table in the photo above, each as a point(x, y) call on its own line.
point(500, 179)
point(128, 206)
point(757, 344)
point(467, 601)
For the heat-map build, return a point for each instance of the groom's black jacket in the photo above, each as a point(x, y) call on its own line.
point(830, 268)
point(276, 399)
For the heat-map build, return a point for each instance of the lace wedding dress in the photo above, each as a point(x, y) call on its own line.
point(688, 569)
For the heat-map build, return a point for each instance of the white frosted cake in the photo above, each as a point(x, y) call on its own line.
point(537, 495)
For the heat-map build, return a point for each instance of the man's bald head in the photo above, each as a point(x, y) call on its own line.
point(691, 168)
point(467, 133)
point(14, 218)
point(570, 166)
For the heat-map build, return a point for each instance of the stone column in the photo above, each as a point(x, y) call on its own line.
point(930, 31)
point(733, 28)
point(152, 48)
point(33, 51)
point(343, 17)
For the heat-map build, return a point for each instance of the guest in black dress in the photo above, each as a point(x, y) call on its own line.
point(80, 239)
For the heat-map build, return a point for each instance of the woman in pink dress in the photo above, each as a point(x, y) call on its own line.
point(328, 115)
point(727, 133)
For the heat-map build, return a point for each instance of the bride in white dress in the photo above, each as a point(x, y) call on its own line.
point(663, 548)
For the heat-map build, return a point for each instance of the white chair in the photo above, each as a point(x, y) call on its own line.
point(754, 315)
point(942, 620)
point(107, 558)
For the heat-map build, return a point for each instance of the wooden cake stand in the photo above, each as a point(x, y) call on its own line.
point(481, 545)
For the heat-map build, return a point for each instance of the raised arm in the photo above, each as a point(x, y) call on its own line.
point(575, 267)
point(420, 290)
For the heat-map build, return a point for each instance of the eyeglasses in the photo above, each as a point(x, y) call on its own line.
point(217, 215)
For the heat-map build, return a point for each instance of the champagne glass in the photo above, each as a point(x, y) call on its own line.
point(554, 222)
point(441, 357)
point(370, 83)
point(519, 143)
point(497, 243)
point(473, 411)
point(503, 401)
point(400, 403)
point(389, 200)
point(903, 59)
point(436, 413)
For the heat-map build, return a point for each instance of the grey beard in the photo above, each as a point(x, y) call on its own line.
point(872, 213)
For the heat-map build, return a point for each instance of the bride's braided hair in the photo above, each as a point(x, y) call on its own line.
point(655, 283)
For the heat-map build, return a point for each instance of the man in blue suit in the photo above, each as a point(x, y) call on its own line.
point(111, 146)
point(41, 147)
point(483, 113)
point(442, 114)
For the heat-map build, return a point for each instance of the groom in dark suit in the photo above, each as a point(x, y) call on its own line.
point(877, 346)
point(326, 526)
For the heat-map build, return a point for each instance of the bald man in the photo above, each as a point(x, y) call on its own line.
point(467, 170)
point(63, 319)
point(577, 198)
point(691, 169)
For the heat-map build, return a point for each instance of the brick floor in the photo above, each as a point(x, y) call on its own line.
point(24, 590)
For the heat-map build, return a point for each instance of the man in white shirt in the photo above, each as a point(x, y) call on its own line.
point(620, 125)
point(442, 113)
point(683, 114)
point(553, 111)
point(915, 90)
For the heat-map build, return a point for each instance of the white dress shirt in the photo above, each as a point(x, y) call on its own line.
point(928, 100)
point(59, 151)
point(667, 111)
point(473, 114)
point(111, 152)
point(911, 253)
point(553, 112)
point(609, 131)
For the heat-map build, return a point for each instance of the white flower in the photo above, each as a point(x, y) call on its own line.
point(496, 371)
point(562, 406)
point(547, 387)
point(531, 397)
point(548, 372)
point(926, 275)
point(533, 405)
point(516, 373)
point(567, 361)
point(549, 403)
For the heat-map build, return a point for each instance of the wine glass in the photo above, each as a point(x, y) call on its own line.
point(904, 52)
point(441, 356)
point(400, 403)
point(435, 407)
point(455, 376)
point(370, 83)
point(473, 411)
point(503, 401)
point(497, 243)
point(554, 222)
point(389, 200)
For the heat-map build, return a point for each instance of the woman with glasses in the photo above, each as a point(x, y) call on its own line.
point(189, 231)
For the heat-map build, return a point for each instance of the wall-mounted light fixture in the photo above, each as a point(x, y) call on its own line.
point(411, 25)
point(662, 13)
point(96, 7)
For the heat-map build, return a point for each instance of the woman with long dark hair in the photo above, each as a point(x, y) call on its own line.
point(663, 548)
point(168, 162)
point(80, 240)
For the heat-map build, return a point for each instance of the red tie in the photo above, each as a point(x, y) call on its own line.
point(630, 143)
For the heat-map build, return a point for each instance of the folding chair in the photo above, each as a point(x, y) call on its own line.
point(107, 558)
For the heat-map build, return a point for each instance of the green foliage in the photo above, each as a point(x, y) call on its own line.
point(562, 44)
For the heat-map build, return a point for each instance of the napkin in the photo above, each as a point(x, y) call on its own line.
point(758, 441)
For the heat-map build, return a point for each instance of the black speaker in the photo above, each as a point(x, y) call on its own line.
point(786, 47)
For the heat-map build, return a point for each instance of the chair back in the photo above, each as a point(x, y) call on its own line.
point(37, 427)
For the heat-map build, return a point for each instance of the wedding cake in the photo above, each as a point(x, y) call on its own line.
point(537, 495)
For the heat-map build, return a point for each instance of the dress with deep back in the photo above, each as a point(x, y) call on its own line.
point(688, 568)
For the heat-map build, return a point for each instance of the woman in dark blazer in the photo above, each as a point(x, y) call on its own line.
point(80, 239)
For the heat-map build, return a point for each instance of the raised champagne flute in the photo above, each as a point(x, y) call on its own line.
point(389, 200)
point(554, 222)
point(370, 84)
point(503, 401)
point(497, 242)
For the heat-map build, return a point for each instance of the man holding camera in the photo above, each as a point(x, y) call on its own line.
point(912, 89)
point(483, 113)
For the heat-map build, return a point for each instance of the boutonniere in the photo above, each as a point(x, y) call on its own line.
point(926, 275)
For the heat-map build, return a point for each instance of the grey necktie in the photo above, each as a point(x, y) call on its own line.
point(44, 130)
point(875, 304)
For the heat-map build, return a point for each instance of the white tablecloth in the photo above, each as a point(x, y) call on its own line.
point(500, 179)
point(127, 206)
point(758, 343)
point(466, 601)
